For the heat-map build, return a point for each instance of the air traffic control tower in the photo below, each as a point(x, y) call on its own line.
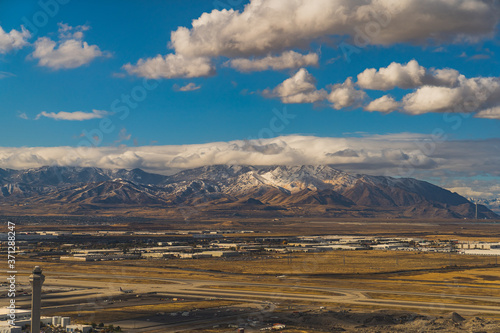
point(36, 281)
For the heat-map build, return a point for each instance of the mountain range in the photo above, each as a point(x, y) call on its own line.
point(229, 190)
point(491, 203)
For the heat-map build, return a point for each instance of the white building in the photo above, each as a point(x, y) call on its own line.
point(22, 318)
point(227, 245)
point(10, 329)
point(20, 314)
point(194, 255)
point(470, 245)
point(82, 328)
point(492, 252)
point(61, 321)
point(178, 248)
point(222, 253)
point(99, 257)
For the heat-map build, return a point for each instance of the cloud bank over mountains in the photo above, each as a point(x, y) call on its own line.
point(405, 154)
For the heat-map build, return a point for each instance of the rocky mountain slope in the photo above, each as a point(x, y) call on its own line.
point(231, 189)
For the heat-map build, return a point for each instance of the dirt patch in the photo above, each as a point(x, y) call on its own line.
point(489, 277)
point(463, 279)
point(386, 321)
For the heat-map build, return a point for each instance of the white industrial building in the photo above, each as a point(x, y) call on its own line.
point(193, 255)
point(10, 329)
point(222, 253)
point(389, 246)
point(470, 245)
point(23, 317)
point(177, 248)
point(20, 314)
point(340, 247)
point(99, 257)
point(492, 252)
point(79, 328)
point(61, 321)
point(227, 245)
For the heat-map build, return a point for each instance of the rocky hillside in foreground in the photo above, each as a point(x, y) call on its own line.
point(238, 190)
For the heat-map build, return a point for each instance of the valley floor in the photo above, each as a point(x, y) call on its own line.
point(354, 291)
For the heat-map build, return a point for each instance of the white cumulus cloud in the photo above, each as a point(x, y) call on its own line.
point(384, 104)
point(433, 91)
point(345, 95)
point(491, 113)
point(266, 26)
point(13, 40)
point(74, 116)
point(472, 95)
point(300, 88)
point(407, 76)
point(395, 75)
point(70, 51)
point(171, 66)
point(263, 35)
point(288, 59)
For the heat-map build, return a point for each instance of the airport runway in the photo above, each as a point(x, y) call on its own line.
point(81, 292)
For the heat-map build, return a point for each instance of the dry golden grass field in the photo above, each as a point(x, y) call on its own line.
point(127, 312)
point(373, 270)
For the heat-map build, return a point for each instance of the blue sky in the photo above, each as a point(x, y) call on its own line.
point(225, 103)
